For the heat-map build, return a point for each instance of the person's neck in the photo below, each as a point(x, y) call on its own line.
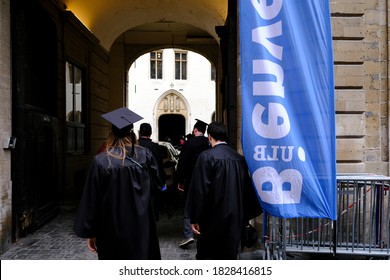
point(214, 142)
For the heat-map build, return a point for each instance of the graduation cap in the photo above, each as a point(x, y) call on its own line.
point(122, 120)
point(201, 125)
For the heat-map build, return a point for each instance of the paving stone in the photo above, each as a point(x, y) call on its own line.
point(57, 241)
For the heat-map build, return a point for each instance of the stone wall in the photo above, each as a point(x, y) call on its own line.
point(5, 126)
point(360, 55)
point(82, 48)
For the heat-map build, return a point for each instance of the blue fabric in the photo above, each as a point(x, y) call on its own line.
point(288, 114)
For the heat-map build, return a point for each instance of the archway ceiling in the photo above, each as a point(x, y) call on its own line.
point(107, 20)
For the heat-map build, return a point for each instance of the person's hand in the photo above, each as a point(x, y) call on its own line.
point(195, 228)
point(180, 187)
point(91, 242)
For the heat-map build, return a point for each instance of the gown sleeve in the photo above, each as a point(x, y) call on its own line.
point(183, 164)
point(252, 204)
point(154, 171)
point(86, 220)
point(199, 188)
point(157, 155)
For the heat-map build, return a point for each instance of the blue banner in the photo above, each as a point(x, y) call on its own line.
point(288, 114)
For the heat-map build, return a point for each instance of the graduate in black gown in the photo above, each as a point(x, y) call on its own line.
point(221, 198)
point(144, 140)
point(115, 212)
point(187, 160)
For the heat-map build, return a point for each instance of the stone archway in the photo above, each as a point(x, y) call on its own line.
point(172, 103)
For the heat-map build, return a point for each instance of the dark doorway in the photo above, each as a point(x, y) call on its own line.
point(34, 122)
point(171, 127)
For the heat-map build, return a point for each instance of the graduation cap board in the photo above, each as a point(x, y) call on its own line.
point(201, 125)
point(122, 120)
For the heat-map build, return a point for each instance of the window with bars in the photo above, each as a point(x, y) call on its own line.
point(75, 126)
point(156, 64)
point(180, 65)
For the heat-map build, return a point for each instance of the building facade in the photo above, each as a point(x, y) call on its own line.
point(170, 88)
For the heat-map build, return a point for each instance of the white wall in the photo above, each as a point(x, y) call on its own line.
point(198, 90)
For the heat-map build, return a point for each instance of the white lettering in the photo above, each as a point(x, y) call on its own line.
point(259, 154)
point(268, 87)
point(290, 154)
point(262, 34)
point(270, 119)
point(274, 188)
point(276, 152)
point(278, 124)
point(267, 11)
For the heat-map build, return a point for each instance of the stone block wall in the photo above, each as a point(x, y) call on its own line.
point(5, 126)
point(361, 81)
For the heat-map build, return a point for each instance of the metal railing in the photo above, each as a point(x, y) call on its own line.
point(362, 226)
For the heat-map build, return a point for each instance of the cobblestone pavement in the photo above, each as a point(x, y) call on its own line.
point(57, 241)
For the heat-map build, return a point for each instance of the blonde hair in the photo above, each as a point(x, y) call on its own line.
point(116, 147)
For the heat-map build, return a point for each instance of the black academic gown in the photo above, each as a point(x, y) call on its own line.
point(221, 200)
point(188, 157)
point(155, 149)
point(116, 207)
